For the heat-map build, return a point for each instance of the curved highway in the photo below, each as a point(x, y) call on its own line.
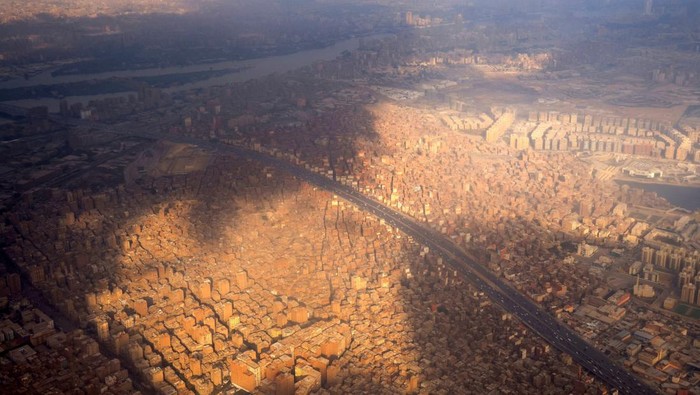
point(542, 323)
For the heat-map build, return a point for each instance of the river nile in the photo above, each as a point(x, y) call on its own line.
point(687, 197)
point(249, 69)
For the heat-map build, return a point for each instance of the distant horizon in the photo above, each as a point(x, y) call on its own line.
point(350, 196)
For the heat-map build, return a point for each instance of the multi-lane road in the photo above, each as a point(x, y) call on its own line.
point(542, 323)
point(549, 328)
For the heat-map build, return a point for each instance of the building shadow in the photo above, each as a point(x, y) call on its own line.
point(176, 271)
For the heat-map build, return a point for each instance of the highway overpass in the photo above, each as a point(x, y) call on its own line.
point(538, 320)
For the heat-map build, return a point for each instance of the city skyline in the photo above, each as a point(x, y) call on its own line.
point(328, 197)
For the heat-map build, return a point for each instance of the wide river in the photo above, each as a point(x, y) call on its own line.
point(687, 197)
point(249, 69)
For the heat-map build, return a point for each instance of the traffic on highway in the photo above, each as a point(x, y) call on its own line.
point(539, 321)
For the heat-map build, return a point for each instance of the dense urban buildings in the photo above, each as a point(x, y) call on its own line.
point(350, 197)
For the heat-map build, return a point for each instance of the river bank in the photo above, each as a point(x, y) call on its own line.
point(220, 73)
point(684, 196)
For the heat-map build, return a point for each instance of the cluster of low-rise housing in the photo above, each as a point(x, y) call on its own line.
point(241, 277)
point(205, 272)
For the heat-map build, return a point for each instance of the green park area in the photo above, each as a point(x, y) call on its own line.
point(688, 311)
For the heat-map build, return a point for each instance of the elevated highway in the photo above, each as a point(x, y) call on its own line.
point(538, 320)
